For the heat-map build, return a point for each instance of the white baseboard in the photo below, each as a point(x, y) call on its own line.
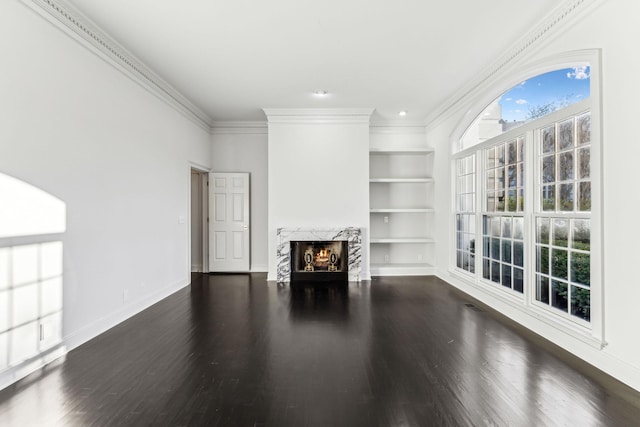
point(107, 322)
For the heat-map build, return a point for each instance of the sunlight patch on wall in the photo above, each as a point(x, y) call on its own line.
point(27, 210)
point(31, 271)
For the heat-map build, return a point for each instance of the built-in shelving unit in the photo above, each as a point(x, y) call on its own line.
point(401, 202)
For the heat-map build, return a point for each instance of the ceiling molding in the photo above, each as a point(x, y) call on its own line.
point(239, 128)
point(82, 29)
point(411, 128)
point(319, 115)
point(566, 12)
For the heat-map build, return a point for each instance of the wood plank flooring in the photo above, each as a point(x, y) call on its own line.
point(233, 350)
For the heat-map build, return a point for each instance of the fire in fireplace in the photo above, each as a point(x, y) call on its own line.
point(319, 261)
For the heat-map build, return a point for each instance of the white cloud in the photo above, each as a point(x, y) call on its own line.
point(521, 101)
point(517, 111)
point(508, 99)
point(579, 73)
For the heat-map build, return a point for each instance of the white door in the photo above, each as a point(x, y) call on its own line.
point(228, 222)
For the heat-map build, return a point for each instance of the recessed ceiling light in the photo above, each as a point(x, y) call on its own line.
point(321, 93)
point(402, 113)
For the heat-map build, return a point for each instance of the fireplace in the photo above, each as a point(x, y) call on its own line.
point(319, 261)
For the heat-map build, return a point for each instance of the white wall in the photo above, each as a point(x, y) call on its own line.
point(318, 174)
point(245, 150)
point(114, 153)
point(611, 26)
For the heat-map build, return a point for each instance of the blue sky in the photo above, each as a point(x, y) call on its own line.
point(561, 87)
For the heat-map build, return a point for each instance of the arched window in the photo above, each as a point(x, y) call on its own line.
point(526, 210)
point(529, 100)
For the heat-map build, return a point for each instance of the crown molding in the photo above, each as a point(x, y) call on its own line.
point(85, 31)
point(408, 128)
point(239, 128)
point(318, 115)
point(566, 12)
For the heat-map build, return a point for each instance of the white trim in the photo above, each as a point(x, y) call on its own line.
point(82, 29)
point(397, 128)
point(318, 115)
point(239, 128)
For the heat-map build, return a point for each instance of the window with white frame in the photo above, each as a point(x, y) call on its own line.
point(465, 213)
point(562, 217)
point(534, 208)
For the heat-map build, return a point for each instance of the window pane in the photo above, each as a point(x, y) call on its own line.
point(500, 155)
point(542, 289)
point(512, 151)
point(566, 197)
point(506, 251)
point(500, 201)
point(548, 169)
point(520, 149)
point(565, 166)
point(495, 272)
point(559, 295)
point(518, 254)
point(491, 179)
point(486, 268)
point(584, 196)
point(581, 233)
point(565, 134)
point(495, 226)
point(542, 230)
point(542, 260)
point(495, 248)
point(459, 261)
point(506, 226)
point(548, 198)
point(549, 139)
point(584, 163)
point(500, 179)
point(559, 263)
point(506, 275)
point(520, 200)
point(560, 232)
point(581, 268)
point(584, 129)
point(512, 176)
point(518, 227)
point(581, 303)
point(518, 280)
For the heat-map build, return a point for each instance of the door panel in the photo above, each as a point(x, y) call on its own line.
point(229, 226)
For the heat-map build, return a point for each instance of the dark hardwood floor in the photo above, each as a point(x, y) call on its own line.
point(232, 350)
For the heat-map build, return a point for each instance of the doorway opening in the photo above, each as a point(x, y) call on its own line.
point(199, 219)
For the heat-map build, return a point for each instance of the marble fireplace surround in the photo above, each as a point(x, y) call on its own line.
point(351, 234)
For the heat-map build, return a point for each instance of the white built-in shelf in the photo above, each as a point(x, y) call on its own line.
point(401, 150)
point(401, 240)
point(401, 210)
point(401, 269)
point(392, 180)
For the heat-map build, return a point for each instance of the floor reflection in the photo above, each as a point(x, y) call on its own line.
point(319, 302)
point(234, 350)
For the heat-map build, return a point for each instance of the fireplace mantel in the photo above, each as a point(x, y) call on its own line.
point(351, 234)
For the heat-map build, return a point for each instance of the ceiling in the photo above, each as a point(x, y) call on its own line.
point(232, 58)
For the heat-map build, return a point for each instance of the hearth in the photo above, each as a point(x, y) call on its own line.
point(319, 261)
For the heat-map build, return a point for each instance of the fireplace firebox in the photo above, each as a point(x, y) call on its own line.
point(319, 261)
